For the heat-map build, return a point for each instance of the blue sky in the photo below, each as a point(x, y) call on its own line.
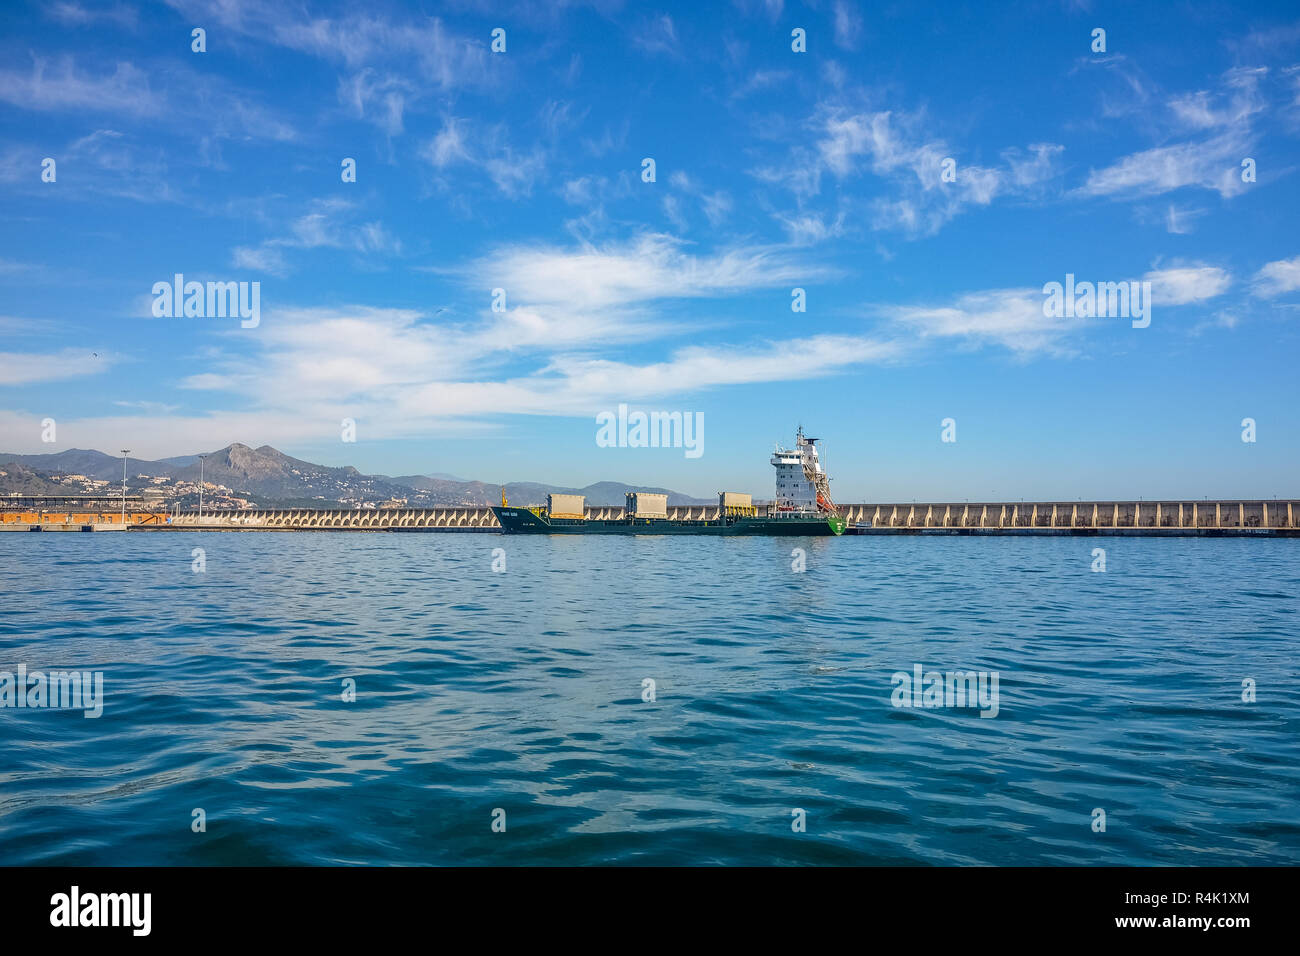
point(774, 169)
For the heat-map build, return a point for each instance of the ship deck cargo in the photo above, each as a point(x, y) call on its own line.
point(566, 506)
point(642, 504)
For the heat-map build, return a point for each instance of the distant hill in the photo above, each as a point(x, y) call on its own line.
point(74, 461)
point(418, 481)
point(267, 475)
point(15, 477)
point(612, 492)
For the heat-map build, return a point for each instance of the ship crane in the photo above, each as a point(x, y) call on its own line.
point(819, 480)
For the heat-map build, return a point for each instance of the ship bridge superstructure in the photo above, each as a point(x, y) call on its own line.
point(801, 484)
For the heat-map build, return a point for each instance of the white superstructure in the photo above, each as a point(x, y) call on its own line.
point(801, 485)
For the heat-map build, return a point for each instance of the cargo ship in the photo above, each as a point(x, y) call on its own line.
point(802, 506)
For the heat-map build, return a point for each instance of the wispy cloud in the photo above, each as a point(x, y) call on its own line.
point(848, 24)
point(563, 304)
point(377, 97)
point(63, 86)
point(1014, 318)
point(1212, 161)
point(809, 228)
point(327, 224)
point(193, 105)
point(446, 58)
point(894, 146)
point(154, 408)
point(1208, 165)
point(759, 81)
point(1184, 285)
point(394, 368)
point(658, 35)
point(76, 14)
point(647, 268)
point(26, 368)
point(265, 258)
point(1011, 318)
point(513, 171)
point(1278, 278)
point(716, 205)
point(1178, 221)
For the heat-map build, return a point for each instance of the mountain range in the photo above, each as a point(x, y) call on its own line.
point(268, 475)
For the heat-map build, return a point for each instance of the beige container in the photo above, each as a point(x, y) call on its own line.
point(734, 499)
point(645, 505)
point(565, 506)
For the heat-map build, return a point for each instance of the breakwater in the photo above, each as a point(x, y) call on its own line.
point(1172, 517)
point(1168, 517)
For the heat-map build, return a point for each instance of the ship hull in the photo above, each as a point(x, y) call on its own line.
point(525, 521)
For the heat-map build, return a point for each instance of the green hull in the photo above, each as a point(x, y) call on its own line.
point(525, 521)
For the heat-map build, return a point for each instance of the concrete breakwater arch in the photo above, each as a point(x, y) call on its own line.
point(1168, 516)
point(337, 519)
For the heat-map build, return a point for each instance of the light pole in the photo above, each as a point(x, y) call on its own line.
point(125, 452)
point(202, 459)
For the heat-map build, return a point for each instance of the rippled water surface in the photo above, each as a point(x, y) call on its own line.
point(522, 691)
